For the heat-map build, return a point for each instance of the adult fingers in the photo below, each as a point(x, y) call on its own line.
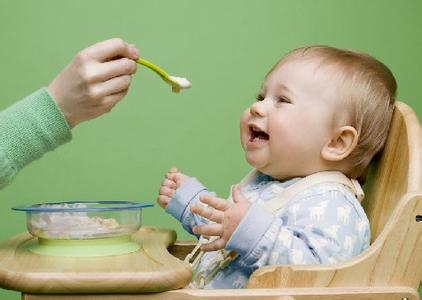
point(114, 68)
point(110, 101)
point(215, 245)
point(214, 202)
point(207, 212)
point(212, 229)
point(108, 49)
point(113, 86)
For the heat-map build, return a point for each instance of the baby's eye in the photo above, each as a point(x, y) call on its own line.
point(283, 99)
point(260, 97)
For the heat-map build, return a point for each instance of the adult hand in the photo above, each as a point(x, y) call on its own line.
point(95, 80)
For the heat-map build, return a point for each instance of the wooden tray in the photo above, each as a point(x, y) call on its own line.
point(150, 269)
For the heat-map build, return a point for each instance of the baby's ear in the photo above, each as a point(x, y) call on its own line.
point(342, 143)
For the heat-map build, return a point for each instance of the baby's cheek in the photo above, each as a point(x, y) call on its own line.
point(244, 119)
point(244, 130)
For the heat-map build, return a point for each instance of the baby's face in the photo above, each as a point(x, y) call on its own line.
point(284, 131)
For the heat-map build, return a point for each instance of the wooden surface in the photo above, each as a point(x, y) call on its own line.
point(398, 171)
point(151, 269)
point(388, 293)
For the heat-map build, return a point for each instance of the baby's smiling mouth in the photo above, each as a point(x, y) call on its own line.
point(256, 133)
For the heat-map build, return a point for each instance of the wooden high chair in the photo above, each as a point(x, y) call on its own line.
point(391, 268)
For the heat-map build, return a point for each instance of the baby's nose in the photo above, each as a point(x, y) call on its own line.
point(258, 109)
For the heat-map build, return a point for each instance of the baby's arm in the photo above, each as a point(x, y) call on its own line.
point(177, 194)
point(319, 229)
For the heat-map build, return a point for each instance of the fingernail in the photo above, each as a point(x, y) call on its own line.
point(134, 51)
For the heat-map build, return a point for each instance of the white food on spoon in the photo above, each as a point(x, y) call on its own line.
point(182, 82)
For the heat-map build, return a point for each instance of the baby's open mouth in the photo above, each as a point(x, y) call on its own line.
point(257, 133)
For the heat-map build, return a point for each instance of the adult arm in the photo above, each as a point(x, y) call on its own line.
point(29, 129)
point(90, 85)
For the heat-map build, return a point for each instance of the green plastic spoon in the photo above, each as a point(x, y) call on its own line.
point(177, 83)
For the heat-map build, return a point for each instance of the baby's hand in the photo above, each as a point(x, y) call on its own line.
point(95, 80)
point(226, 218)
point(172, 180)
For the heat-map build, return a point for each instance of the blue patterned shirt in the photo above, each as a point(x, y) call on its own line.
point(323, 224)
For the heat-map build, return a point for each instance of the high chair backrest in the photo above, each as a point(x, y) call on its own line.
point(398, 170)
point(393, 202)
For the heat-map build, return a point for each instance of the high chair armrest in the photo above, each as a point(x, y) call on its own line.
point(181, 248)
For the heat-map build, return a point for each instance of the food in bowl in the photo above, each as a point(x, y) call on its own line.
point(83, 219)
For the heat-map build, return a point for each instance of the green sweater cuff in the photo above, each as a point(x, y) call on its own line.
point(30, 128)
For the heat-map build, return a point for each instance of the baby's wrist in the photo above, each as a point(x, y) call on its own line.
point(250, 230)
point(181, 180)
point(235, 220)
point(183, 196)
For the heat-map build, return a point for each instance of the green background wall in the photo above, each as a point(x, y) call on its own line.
point(224, 47)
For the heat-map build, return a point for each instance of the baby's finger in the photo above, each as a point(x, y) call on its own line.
point(237, 194)
point(163, 201)
point(207, 212)
point(215, 202)
point(169, 183)
point(166, 191)
point(214, 246)
point(212, 229)
point(173, 170)
point(171, 176)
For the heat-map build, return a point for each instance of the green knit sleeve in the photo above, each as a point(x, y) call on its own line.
point(28, 129)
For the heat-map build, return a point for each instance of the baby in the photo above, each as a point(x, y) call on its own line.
point(321, 116)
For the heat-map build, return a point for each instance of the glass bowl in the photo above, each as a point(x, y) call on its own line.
point(83, 220)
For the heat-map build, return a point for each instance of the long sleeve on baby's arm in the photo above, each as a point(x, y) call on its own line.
point(320, 229)
point(184, 197)
point(28, 129)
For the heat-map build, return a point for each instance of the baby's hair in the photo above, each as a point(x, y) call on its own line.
point(367, 88)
